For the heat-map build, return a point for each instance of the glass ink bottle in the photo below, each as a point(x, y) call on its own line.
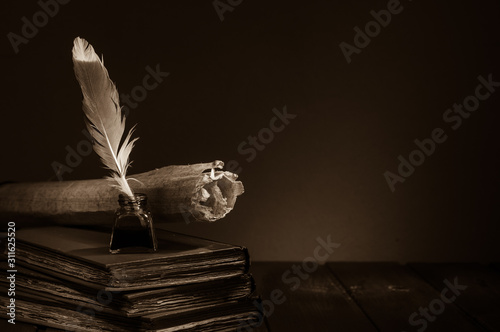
point(133, 230)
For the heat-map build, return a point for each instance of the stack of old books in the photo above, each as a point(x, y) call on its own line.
point(65, 278)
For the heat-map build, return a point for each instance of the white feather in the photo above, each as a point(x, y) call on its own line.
point(103, 115)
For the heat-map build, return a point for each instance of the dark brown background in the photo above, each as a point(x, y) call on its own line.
point(323, 175)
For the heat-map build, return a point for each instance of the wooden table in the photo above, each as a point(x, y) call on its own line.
point(357, 297)
point(339, 297)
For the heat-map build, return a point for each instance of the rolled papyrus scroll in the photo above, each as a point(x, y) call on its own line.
point(199, 192)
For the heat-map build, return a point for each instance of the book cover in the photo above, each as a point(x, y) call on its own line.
point(82, 256)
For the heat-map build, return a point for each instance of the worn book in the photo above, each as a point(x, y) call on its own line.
point(166, 300)
point(82, 257)
point(39, 310)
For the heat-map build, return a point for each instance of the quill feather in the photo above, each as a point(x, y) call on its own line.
point(103, 115)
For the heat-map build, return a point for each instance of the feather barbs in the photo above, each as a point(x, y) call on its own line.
point(103, 115)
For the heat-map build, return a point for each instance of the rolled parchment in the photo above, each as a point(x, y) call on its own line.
point(199, 192)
